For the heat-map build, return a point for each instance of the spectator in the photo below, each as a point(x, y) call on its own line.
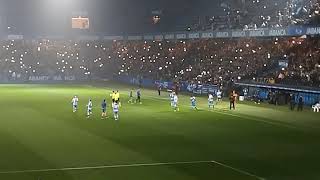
point(300, 103)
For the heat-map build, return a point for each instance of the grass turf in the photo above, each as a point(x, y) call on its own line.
point(39, 131)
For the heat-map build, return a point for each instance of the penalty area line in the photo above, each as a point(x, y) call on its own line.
point(238, 170)
point(103, 167)
point(133, 165)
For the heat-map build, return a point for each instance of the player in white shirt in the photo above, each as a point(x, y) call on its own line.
point(89, 108)
point(219, 95)
point(175, 103)
point(74, 103)
point(171, 95)
point(115, 111)
point(210, 101)
point(316, 107)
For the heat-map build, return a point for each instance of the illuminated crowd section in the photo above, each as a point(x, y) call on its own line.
point(294, 61)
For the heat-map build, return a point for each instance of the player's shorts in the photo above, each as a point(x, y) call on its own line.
point(210, 102)
point(193, 104)
point(75, 106)
point(175, 104)
point(113, 100)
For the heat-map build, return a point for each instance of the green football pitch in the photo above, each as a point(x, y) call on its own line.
point(41, 139)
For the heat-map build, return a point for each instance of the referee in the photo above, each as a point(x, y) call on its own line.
point(232, 99)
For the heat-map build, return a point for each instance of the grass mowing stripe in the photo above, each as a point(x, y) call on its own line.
point(263, 121)
point(103, 167)
point(152, 132)
point(132, 165)
point(238, 170)
point(240, 116)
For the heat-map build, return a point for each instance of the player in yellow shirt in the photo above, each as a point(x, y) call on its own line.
point(117, 98)
point(113, 97)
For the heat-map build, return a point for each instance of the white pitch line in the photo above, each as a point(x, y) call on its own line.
point(244, 117)
point(238, 170)
point(103, 167)
point(132, 165)
point(263, 121)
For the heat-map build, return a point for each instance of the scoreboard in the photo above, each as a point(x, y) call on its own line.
point(80, 22)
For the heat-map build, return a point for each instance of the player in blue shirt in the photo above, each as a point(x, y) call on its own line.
point(104, 109)
point(138, 96)
point(131, 96)
point(193, 102)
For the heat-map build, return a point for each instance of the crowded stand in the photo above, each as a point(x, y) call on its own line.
point(213, 61)
point(222, 60)
point(257, 14)
point(20, 59)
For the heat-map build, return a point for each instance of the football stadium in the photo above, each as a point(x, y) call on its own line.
point(159, 90)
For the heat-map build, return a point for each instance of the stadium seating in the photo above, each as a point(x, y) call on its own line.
point(262, 14)
point(214, 61)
